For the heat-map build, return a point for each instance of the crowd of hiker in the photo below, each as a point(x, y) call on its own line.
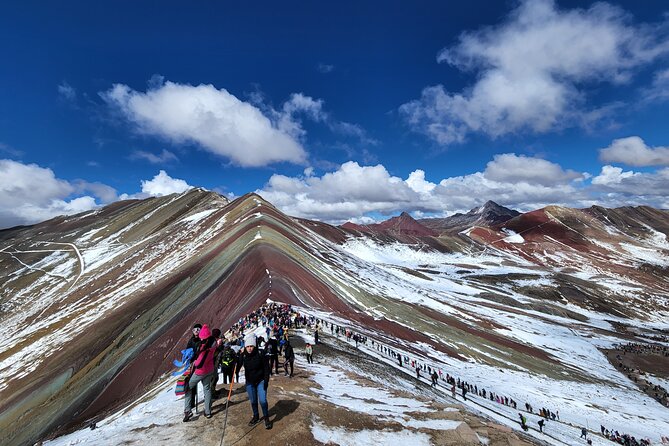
point(624, 439)
point(657, 391)
point(436, 374)
point(259, 355)
point(212, 354)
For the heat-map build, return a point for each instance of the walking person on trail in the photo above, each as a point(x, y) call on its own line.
point(464, 392)
point(256, 372)
point(453, 390)
point(309, 351)
point(584, 433)
point(289, 355)
point(203, 371)
point(272, 353)
point(523, 421)
point(541, 425)
point(228, 360)
point(316, 335)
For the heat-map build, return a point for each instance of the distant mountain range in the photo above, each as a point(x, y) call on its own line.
point(94, 307)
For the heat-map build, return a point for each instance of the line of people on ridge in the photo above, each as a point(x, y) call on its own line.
point(436, 374)
point(214, 354)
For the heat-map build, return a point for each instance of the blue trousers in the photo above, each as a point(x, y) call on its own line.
point(257, 392)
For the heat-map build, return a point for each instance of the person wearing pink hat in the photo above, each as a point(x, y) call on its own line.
point(203, 370)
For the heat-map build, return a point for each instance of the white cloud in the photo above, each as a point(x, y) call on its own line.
point(633, 151)
point(214, 119)
point(626, 188)
point(288, 119)
point(352, 191)
point(163, 157)
point(67, 92)
point(659, 90)
point(509, 167)
point(530, 69)
point(163, 184)
point(30, 194)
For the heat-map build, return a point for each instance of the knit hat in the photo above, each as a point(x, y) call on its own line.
point(197, 326)
point(250, 339)
point(205, 332)
point(216, 332)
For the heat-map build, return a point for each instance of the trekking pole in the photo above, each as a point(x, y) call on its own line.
point(227, 403)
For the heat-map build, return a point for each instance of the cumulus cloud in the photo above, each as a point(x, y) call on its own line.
point(214, 119)
point(509, 168)
point(625, 188)
point(352, 191)
point(530, 69)
point(162, 184)
point(633, 151)
point(30, 194)
point(163, 157)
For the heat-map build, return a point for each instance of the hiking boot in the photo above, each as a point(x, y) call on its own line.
point(187, 416)
point(268, 424)
point(253, 421)
point(207, 415)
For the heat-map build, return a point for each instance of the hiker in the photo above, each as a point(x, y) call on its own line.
point(203, 370)
point(256, 372)
point(464, 393)
point(435, 378)
point(417, 372)
point(541, 425)
point(523, 421)
point(228, 361)
point(218, 345)
point(453, 390)
point(272, 353)
point(194, 341)
point(584, 433)
point(316, 335)
point(309, 350)
point(290, 358)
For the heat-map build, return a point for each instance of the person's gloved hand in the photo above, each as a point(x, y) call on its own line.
point(265, 385)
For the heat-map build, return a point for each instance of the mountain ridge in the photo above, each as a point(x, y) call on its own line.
point(138, 273)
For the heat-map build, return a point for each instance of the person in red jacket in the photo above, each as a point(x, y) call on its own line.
point(203, 370)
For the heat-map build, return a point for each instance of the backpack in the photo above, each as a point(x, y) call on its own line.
point(182, 383)
point(227, 358)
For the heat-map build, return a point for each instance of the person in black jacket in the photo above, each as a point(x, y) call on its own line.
point(256, 372)
point(272, 353)
point(194, 341)
point(290, 357)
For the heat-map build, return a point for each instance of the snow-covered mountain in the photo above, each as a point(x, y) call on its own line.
point(490, 214)
point(95, 307)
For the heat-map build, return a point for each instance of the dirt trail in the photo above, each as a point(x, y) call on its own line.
point(295, 406)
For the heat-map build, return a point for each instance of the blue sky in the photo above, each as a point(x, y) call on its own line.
point(342, 111)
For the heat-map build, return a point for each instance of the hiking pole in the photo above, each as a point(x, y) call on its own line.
point(227, 403)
